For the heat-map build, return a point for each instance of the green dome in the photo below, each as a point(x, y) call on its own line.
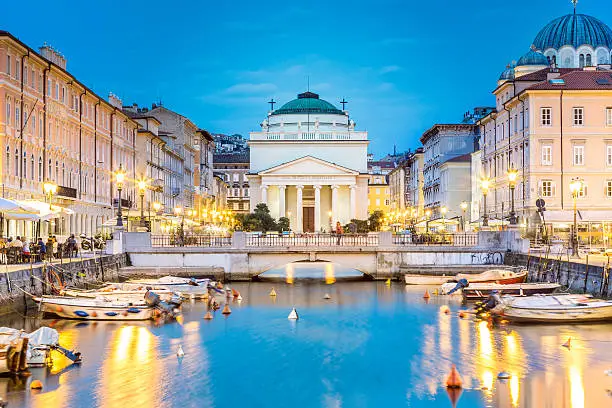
point(308, 103)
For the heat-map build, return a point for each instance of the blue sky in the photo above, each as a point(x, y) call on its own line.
point(402, 65)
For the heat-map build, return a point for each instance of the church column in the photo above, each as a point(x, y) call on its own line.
point(353, 198)
point(281, 201)
point(298, 210)
point(334, 204)
point(317, 208)
point(264, 194)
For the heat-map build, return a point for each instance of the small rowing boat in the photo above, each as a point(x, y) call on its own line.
point(502, 276)
point(480, 291)
point(556, 309)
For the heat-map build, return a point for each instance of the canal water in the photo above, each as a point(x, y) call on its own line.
point(370, 345)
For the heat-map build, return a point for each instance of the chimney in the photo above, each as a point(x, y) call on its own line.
point(552, 75)
point(115, 101)
point(53, 55)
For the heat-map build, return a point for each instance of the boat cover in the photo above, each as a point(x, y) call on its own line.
point(45, 336)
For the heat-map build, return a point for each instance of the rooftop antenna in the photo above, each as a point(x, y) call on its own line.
point(574, 2)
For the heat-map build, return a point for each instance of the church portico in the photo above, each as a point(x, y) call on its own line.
point(314, 181)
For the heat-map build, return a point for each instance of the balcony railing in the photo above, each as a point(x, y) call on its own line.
point(191, 240)
point(311, 240)
point(458, 239)
point(309, 135)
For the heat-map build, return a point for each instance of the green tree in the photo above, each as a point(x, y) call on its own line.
point(283, 224)
point(376, 220)
point(258, 220)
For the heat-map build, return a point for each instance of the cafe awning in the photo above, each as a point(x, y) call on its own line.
point(582, 216)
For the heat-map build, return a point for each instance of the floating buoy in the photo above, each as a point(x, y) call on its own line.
point(388, 282)
point(453, 380)
point(435, 292)
point(235, 293)
point(36, 385)
point(426, 295)
point(179, 351)
point(504, 375)
point(462, 314)
point(272, 292)
point(208, 316)
point(444, 309)
point(327, 296)
point(293, 315)
point(226, 309)
point(568, 343)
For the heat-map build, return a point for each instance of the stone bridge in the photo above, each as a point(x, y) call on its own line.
point(380, 261)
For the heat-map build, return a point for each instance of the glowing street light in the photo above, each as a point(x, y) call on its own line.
point(464, 206)
point(512, 176)
point(142, 188)
point(484, 185)
point(576, 186)
point(120, 179)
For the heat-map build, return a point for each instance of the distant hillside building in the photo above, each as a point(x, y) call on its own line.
point(234, 167)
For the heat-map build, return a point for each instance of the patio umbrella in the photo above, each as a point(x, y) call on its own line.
point(7, 205)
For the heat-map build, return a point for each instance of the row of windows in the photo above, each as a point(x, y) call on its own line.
point(548, 188)
point(546, 116)
point(236, 192)
point(578, 156)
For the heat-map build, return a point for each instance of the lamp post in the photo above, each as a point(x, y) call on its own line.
point(484, 185)
point(576, 185)
point(427, 215)
point(512, 176)
point(142, 188)
point(157, 208)
point(120, 179)
point(464, 206)
point(443, 211)
point(50, 188)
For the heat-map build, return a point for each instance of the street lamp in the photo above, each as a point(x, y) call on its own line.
point(443, 210)
point(50, 188)
point(484, 185)
point(427, 215)
point(142, 188)
point(512, 176)
point(464, 206)
point(120, 179)
point(576, 185)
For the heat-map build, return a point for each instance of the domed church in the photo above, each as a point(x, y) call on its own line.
point(571, 41)
point(309, 164)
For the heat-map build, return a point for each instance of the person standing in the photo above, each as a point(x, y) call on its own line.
point(42, 249)
point(338, 232)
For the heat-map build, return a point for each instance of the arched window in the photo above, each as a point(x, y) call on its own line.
point(40, 168)
point(7, 165)
point(588, 60)
point(16, 162)
point(56, 171)
point(49, 173)
point(568, 62)
point(554, 60)
point(63, 173)
point(8, 111)
point(25, 165)
point(32, 168)
point(581, 61)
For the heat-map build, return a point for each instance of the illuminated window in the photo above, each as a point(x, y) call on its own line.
point(546, 188)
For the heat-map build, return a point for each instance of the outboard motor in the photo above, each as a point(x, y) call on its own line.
point(493, 300)
point(152, 299)
point(193, 282)
point(461, 283)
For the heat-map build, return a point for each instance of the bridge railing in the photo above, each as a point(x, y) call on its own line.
point(311, 240)
point(191, 240)
point(456, 239)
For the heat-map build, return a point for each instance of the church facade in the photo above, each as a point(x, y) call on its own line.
point(309, 164)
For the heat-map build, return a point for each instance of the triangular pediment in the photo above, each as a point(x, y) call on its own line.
point(308, 165)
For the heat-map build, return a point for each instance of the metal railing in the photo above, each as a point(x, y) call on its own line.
point(311, 240)
point(458, 239)
point(189, 240)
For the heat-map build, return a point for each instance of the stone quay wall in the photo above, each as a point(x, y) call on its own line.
point(32, 278)
point(577, 276)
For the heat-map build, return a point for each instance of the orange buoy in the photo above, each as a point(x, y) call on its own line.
point(453, 380)
point(226, 309)
point(568, 343)
point(272, 292)
point(235, 293)
point(36, 385)
point(94, 314)
point(124, 313)
point(445, 309)
point(426, 295)
point(208, 316)
point(462, 314)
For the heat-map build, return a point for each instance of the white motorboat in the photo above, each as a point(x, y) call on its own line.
point(502, 276)
point(556, 309)
point(115, 292)
point(479, 291)
point(187, 287)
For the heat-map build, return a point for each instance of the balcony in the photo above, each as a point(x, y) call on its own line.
point(67, 192)
point(323, 136)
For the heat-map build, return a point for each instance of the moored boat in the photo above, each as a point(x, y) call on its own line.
point(556, 309)
point(187, 287)
point(480, 291)
point(502, 276)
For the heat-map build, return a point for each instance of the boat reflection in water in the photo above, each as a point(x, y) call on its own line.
point(367, 344)
point(317, 270)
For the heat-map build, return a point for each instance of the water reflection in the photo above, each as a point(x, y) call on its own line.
point(319, 270)
point(369, 345)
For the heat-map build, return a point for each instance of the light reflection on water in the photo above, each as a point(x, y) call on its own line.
point(369, 345)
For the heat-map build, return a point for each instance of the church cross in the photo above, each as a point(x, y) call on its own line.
point(272, 102)
point(343, 102)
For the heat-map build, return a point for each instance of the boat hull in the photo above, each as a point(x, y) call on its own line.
point(427, 279)
point(557, 309)
point(479, 291)
point(95, 311)
point(501, 276)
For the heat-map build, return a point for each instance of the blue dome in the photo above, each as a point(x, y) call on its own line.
point(533, 58)
point(574, 30)
point(508, 74)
